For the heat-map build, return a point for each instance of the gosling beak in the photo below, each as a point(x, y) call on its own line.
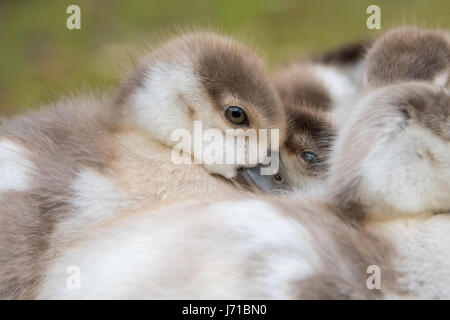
point(252, 178)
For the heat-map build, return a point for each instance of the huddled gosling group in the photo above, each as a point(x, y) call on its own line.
point(362, 178)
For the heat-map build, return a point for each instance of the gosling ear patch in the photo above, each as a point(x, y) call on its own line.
point(305, 120)
point(226, 66)
point(408, 54)
point(428, 106)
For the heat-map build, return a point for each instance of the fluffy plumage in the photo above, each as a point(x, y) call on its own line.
point(310, 129)
point(393, 155)
point(88, 157)
point(395, 145)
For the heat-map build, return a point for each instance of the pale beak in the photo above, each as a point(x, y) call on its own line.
point(253, 179)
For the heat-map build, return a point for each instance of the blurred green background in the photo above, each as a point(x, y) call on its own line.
point(40, 59)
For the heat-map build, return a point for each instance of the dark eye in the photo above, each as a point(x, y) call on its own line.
point(236, 116)
point(309, 157)
point(278, 178)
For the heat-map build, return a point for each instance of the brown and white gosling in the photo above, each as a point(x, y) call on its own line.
point(390, 168)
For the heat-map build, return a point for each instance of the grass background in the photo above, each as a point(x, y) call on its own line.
point(40, 59)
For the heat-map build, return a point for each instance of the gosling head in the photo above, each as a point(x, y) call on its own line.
point(310, 132)
point(409, 54)
point(392, 157)
point(207, 80)
point(305, 153)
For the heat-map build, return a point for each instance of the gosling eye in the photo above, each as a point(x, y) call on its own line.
point(237, 116)
point(278, 178)
point(309, 157)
